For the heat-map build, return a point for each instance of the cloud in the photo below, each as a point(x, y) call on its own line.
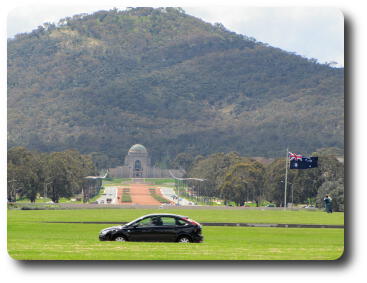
point(311, 32)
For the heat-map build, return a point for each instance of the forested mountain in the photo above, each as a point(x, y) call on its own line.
point(165, 79)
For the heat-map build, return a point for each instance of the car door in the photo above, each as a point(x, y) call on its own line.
point(142, 230)
point(166, 230)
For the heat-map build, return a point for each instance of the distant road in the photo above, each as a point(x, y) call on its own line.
point(109, 193)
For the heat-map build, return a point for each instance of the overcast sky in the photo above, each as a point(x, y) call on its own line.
point(310, 32)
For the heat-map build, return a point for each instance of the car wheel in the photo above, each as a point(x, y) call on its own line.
point(120, 239)
point(184, 239)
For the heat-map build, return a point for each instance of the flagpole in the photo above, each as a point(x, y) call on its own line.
point(286, 180)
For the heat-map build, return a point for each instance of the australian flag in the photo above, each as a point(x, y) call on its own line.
point(297, 161)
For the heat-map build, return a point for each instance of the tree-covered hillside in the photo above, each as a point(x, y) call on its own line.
point(165, 79)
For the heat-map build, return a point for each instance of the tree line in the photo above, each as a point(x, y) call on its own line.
point(238, 179)
point(229, 176)
point(54, 175)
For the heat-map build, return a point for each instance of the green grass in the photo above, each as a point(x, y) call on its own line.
point(201, 200)
point(115, 182)
point(30, 239)
point(45, 200)
point(93, 199)
point(160, 181)
point(157, 197)
point(126, 197)
point(200, 215)
point(61, 200)
point(38, 200)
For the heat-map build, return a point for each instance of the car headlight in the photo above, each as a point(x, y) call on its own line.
point(104, 232)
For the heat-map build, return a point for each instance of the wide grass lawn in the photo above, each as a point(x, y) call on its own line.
point(160, 181)
point(115, 182)
point(29, 238)
point(122, 181)
point(200, 215)
point(44, 200)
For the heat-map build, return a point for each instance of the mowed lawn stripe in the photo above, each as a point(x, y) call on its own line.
point(200, 215)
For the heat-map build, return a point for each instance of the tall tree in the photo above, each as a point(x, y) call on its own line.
point(67, 171)
point(183, 160)
point(23, 173)
point(243, 182)
point(213, 169)
point(58, 174)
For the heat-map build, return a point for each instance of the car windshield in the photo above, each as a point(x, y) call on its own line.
point(145, 221)
point(131, 222)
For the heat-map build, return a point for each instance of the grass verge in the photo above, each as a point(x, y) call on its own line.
point(158, 197)
point(126, 195)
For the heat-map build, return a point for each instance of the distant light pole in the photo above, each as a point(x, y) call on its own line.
point(185, 179)
point(286, 179)
point(89, 181)
point(46, 182)
point(178, 192)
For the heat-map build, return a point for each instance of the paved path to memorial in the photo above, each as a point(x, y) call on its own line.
point(139, 194)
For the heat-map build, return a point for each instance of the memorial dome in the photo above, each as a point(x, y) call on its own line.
point(138, 148)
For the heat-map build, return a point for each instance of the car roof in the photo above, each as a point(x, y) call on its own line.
point(163, 214)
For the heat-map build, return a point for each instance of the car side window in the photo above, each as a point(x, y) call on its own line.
point(168, 221)
point(157, 221)
point(180, 222)
point(145, 222)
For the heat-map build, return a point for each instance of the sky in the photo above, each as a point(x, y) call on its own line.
point(316, 32)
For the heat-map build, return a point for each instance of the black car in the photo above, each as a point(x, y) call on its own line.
point(155, 228)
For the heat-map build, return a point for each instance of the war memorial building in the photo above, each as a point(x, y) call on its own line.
point(137, 165)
